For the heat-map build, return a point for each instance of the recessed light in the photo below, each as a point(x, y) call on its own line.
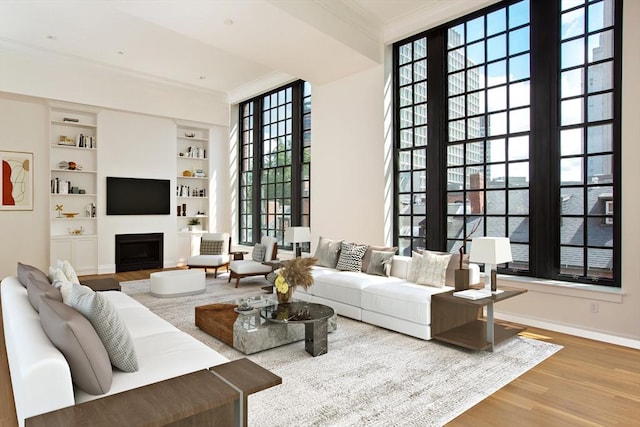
point(121, 52)
point(51, 37)
point(203, 77)
point(228, 22)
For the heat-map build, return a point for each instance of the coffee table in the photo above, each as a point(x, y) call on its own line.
point(313, 316)
point(249, 332)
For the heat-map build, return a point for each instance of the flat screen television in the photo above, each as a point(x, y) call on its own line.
point(138, 196)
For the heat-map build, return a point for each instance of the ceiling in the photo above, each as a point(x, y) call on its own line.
point(231, 47)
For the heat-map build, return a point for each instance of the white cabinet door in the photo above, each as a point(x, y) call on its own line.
point(82, 253)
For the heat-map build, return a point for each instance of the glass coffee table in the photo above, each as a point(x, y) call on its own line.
point(256, 330)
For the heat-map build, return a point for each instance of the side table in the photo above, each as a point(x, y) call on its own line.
point(238, 255)
point(459, 321)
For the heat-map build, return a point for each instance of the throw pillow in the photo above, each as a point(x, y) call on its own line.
point(25, 269)
point(59, 280)
point(74, 336)
point(38, 286)
point(211, 247)
point(454, 264)
point(68, 271)
point(433, 269)
point(380, 263)
point(327, 252)
point(414, 267)
point(351, 257)
point(370, 249)
point(259, 250)
point(108, 325)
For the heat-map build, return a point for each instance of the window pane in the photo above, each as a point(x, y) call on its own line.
point(572, 53)
point(496, 22)
point(599, 138)
point(519, 41)
point(571, 171)
point(496, 47)
point(571, 112)
point(571, 261)
point(600, 15)
point(518, 202)
point(600, 76)
point(519, 67)
point(572, 231)
point(572, 24)
point(600, 107)
point(572, 83)
point(571, 142)
point(571, 201)
point(518, 231)
point(519, 14)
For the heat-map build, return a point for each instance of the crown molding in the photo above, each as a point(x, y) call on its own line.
point(269, 81)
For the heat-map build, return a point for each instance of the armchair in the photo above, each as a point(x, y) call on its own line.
point(268, 248)
point(213, 253)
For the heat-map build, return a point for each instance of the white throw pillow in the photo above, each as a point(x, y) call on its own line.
point(59, 280)
point(433, 269)
point(68, 270)
point(108, 325)
point(414, 267)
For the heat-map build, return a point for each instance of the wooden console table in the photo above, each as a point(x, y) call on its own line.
point(215, 397)
point(459, 321)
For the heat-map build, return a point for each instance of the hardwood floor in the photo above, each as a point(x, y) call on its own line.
point(587, 383)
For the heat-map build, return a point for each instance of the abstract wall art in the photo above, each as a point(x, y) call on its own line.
point(16, 184)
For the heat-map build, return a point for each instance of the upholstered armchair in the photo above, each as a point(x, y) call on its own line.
point(266, 250)
point(214, 252)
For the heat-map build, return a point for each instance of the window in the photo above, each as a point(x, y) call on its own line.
point(275, 161)
point(518, 128)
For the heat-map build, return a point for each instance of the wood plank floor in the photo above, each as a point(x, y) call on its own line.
point(587, 383)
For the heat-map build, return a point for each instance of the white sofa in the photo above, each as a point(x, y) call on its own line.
point(390, 302)
point(41, 376)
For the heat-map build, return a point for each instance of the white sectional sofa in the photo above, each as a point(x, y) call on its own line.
point(41, 376)
point(391, 302)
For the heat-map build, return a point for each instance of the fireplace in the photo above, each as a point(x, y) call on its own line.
point(139, 251)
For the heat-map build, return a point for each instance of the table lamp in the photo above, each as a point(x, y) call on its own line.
point(490, 251)
point(297, 235)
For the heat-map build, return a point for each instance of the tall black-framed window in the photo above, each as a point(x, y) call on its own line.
point(507, 124)
point(275, 161)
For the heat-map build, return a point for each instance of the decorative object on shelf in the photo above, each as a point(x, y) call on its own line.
point(76, 231)
point(59, 209)
point(190, 134)
point(194, 224)
point(72, 166)
point(490, 251)
point(70, 214)
point(295, 272)
point(297, 235)
point(186, 173)
point(16, 181)
point(63, 165)
point(179, 209)
point(184, 209)
point(66, 140)
point(462, 274)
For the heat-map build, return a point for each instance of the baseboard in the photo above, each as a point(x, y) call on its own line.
point(570, 330)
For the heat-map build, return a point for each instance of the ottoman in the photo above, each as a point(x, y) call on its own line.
point(175, 283)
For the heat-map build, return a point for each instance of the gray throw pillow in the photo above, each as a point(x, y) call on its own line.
point(108, 325)
point(24, 269)
point(38, 286)
point(380, 263)
point(76, 339)
point(327, 252)
point(367, 255)
point(259, 251)
point(351, 257)
point(211, 247)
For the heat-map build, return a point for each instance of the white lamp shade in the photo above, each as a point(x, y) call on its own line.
point(297, 234)
point(490, 250)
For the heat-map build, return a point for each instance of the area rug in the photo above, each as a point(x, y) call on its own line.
point(370, 376)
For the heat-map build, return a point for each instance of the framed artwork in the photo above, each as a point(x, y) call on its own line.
point(16, 185)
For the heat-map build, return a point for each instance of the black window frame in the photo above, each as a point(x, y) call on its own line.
point(255, 177)
point(544, 158)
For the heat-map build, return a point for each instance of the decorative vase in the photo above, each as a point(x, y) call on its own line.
point(461, 279)
point(285, 297)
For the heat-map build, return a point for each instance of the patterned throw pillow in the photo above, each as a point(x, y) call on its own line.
point(108, 325)
point(351, 257)
point(259, 251)
point(211, 247)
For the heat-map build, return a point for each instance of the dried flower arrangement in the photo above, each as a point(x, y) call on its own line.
point(295, 272)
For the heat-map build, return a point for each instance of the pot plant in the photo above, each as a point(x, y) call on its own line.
point(194, 224)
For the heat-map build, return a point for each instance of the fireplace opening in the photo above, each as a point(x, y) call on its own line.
point(139, 251)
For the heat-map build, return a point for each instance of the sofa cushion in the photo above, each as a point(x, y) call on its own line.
point(380, 263)
point(327, 252)
point(367, 255)
point(74, 336)
point(402, 300)
point(25, 269)
point(38, 285)
point(110, 328)
point(351, 257)
point(258, 252)
point(346, 286)
point(211, 247)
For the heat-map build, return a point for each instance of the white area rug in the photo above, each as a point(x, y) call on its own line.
point(370, 377)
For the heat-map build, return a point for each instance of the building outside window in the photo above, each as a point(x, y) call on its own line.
point(275, 162)
point(507, 124)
